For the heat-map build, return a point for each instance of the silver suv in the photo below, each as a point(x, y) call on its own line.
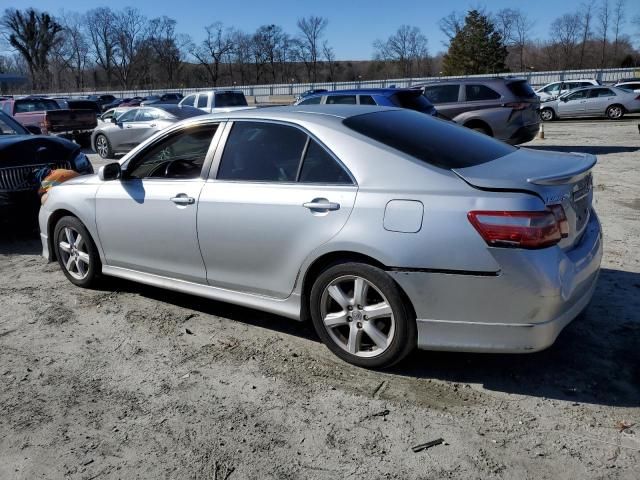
point(504, 108)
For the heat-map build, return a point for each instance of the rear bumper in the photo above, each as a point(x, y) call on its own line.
point(524, 134)
point(521, 309)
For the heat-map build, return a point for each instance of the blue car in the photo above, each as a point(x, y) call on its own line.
point(411, 98)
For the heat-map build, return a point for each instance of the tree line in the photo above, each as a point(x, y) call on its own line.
point(123, 49)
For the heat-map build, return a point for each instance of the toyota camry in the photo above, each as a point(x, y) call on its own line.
point(387, 228)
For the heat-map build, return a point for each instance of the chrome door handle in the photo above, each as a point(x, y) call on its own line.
point(321, 204)
point(182, 199)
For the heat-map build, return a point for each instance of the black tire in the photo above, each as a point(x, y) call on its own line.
point(404, 338)
point(548, 111)
point(87, 246)
point(615, 112)
point(480, 129)
point(103, 149)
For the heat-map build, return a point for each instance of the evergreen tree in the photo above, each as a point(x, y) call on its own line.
point(476, 49)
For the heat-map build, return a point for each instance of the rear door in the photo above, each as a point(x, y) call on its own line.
point(143, 126)
point(446, 98)
point(276, 196)
point(598, 101)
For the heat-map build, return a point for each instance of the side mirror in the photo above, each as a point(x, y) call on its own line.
point(110, 171)
point(34, 129)
point(113, 119)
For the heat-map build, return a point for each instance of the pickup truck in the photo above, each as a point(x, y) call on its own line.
point(47, 115)
point(215, 101)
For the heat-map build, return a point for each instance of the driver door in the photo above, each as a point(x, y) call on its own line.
point(575, 105)
point(147, 220)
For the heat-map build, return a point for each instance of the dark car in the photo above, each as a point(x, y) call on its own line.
point(132, 102)
point(23, 156)
point(504, 108)
point(410, 98)
point(102, 100)
point(165, 98)
point(79, 104)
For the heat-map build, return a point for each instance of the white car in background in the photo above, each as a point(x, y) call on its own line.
point(630, 85)
point(216, 101)
point(553, 90)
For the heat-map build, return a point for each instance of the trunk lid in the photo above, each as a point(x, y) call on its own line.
point(556, 177)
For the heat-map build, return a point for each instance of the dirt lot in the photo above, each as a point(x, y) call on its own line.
point(136, 382)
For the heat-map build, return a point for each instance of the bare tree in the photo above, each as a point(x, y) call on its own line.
point(131, 29)
point(565, 32)
point(407, 47)
point(216, 46)
point(242, 54)
point(515, 27)
point(505, 20)
point(75, 46)
point(311, 31)
point(330, 57)
point(586, 17)
point(618, 21)
point(604, 17)
point(168, 47)
point(101, 25)
point(34, 35)
point(269, 40)
point(451, 25)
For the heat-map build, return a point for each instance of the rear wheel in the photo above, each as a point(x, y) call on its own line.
point(547, 114)
point(615, 112)
point(77, 254)
point(360, 314)
point(103, 147)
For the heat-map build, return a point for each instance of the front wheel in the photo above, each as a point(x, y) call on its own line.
point(77, 254)
point(615, 112)
point(360, 314)
point(103, 147)
point(546, 114)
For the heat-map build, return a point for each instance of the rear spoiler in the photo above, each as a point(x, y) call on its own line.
point(571, 175)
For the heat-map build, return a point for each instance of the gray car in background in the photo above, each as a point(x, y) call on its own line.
point(600, 101)
point(120, 133)
point(504, 108)
point(388, 228)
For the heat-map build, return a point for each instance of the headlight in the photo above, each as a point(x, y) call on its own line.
point(82, 163)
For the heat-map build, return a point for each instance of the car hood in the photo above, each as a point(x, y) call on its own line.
point(17, 150)
point(93, 178)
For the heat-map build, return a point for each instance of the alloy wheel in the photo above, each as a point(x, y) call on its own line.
point(74, 253)
point(357, 316)
point(615, 112)
point(101, 146)
point(546, 115)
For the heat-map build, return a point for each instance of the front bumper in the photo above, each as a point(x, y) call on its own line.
point(521, 309)
point(43, 221)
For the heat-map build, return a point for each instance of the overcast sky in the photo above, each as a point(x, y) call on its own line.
point(353, 24)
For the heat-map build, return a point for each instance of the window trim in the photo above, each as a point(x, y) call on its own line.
point(144, 148)
point(215, 165)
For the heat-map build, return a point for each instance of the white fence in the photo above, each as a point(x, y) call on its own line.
point(536, 79)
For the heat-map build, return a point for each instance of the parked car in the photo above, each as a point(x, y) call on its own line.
point(630, 85)
point(310, 92)
point(22, 155)
point(47, 115)
point(127, 130)
point(610, 102)
point(166, 98)
point(132, 102)
point(388, 227)
point(553, 90)
point(216, 100)
point(410, 98)
point(79, 104)
point(115, 103)
point(504, 108)
point(102, 100)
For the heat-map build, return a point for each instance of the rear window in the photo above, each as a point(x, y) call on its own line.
point(413, 100)
point(521, 89)
point(436, 142)
point(480, 92)
point(83, 105)
point(230, 99)
point(38, 105)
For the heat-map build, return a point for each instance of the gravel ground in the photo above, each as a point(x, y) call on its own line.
point(135, 382)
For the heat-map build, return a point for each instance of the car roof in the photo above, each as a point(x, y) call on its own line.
point(361, 91)
point(473, 80)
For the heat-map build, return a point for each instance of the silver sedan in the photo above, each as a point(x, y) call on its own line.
point(123, 128)
point(389, 229)
point(610, 102)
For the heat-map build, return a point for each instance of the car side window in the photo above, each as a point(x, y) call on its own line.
point(341, 100)
point(601, 92)
point(311, 101)
point(442, 93)
point(320, 167)
point(262, 152)
point(128, 116)
point(202, 101)
point(577, 95)
point(480, 92)
point(180, 156)
point(145, 115)
point(552, 88)
point(189, 101)
point(367, 100)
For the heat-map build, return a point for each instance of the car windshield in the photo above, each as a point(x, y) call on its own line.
point(230, 99)
point(437, 142)
point(8, 126)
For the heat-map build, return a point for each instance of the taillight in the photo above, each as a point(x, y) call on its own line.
point(561, 218)
point(516, 105)
point(517, 229)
